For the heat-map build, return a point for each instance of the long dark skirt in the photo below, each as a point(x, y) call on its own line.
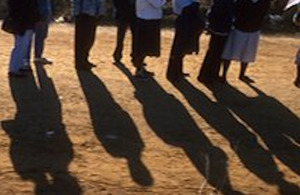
point(147, 38)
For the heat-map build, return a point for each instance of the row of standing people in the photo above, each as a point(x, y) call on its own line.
point(234, 27)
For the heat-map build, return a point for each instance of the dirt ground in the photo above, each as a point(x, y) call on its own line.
point(104, 132)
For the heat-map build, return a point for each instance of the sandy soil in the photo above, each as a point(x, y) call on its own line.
point(116, 135)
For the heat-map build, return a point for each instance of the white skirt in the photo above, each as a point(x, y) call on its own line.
point(241, 46)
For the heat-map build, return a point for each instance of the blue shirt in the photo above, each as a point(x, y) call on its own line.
point(90, 7)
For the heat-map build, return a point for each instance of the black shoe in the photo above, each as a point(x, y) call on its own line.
point(297, 83)
point(246, 79)
point(117, 58)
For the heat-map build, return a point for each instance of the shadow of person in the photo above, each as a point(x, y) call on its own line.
point(171, 122)
point(40, 149)
point(242, 141)
point(285, 126)
point(114, 127)
point(272, 122)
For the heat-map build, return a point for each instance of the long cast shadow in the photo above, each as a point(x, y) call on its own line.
point(114, 127)
point(170, 120)
point(277, 126)
point(40, 149)
point(255, 158)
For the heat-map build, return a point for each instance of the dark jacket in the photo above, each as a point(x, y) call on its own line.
point(24, 14)
point(189, 26)
point(220, 17)
point(45, 9)
point(125, 9)
point(249, 15)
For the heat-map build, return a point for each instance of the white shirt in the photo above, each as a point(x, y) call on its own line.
point(149, 9)
point(178, 5)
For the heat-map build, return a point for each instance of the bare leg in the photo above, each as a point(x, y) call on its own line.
point(244, 67)
point(226, 64)
point(242, 76)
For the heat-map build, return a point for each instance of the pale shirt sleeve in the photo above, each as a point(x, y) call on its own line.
point(157, 3)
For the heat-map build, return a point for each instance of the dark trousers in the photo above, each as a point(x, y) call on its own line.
point(85, 31)
point(146, 41)
point(123, 25)
point(211, 65)
point(175, 65)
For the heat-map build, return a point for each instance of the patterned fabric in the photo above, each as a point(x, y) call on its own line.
point(90, 7)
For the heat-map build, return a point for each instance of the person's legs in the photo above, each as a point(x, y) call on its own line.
point(19, 53)
point(41, 30)
point(41, 33)
point(205, 73)
point(219, 43)
point(226, 64)
point(85, 31)
point(211, 65)
point(122, 28)
point(175, 66)
point(138, 55)
point(138, 62)
point(132, 29)
point(242, 76)
point(79, 40)
point(91, 39)
point(26, 49)
point(297, 81)
point(244, 67)
point(16, 61)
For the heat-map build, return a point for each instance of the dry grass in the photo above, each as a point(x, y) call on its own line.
point(116, 135)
